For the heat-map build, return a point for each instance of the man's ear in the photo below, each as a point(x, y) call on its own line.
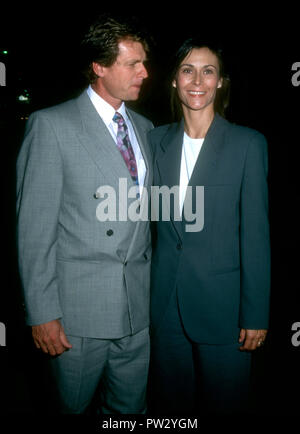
point(98, 69)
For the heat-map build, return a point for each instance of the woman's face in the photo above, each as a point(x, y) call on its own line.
point(197, 79)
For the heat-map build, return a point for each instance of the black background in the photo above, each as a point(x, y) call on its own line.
point(260, 49)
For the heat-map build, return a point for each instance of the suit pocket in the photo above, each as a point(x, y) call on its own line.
point(217, 270)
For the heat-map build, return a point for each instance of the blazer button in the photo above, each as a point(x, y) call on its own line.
point(110, 232)
point(179, 246)
point(96, 195)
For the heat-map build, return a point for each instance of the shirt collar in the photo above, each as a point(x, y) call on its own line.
point(105, 110)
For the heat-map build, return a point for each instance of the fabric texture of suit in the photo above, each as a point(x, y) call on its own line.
point(221, 273)
point(94, 276)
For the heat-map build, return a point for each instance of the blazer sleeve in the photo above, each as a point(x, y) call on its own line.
point(255, 238)
point(39, 193)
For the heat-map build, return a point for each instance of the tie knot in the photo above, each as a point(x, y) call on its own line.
point(118, 118)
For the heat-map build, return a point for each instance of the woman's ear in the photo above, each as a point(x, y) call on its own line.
point(174, 83)
point(220, 83)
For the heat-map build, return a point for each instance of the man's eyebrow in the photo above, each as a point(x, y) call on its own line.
point(134, 61)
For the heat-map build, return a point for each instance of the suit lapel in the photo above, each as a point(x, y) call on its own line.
point(170, 158)
point(95, 137)
point(168, 165)
point(204, 170)
point(204, 173)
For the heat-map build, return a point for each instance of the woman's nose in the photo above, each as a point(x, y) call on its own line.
point(198, 78)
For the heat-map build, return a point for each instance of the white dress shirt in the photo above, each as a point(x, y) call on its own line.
point(190, 152)
point(107, 112)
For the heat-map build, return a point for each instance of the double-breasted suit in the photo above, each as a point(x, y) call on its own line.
point(93, 275)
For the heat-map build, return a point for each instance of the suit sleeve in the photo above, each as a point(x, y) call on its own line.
point(39, 193)
point(254, 238)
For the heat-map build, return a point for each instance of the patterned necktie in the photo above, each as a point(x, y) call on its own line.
point(125, 147)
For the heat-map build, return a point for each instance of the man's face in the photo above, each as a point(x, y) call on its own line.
point(122, 80)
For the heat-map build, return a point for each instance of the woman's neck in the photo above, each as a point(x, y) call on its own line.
point(197, 122)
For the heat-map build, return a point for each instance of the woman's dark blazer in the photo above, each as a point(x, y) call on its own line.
point(222, 273)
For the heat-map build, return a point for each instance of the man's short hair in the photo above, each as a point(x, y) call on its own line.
point(100, 43)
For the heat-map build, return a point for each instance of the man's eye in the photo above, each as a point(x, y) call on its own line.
point(187, 71)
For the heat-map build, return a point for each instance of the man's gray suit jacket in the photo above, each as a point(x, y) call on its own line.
point(94, 276)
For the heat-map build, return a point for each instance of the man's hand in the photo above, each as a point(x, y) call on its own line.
point(50, 338)
point(252, 339)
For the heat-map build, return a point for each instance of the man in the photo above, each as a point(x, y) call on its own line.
point(86, 280)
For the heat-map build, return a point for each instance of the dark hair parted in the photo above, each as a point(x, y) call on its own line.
point(100, 43)
point(221, 101)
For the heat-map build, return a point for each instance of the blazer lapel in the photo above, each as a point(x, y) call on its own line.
point(205, 166)
point(98, 142)
point(204, 173)
point(168, 165)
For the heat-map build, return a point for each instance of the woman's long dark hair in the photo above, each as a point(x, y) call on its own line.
point(222, 96)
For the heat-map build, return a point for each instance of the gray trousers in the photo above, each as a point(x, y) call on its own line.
point(119, 366)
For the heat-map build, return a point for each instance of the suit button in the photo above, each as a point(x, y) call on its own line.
point(109, 232)
point(145, 256)
point(179, 246)
point(96, 195)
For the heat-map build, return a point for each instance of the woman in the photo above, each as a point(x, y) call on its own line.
point(210, 288)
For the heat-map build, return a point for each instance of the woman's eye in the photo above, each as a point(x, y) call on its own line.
point(208, 71)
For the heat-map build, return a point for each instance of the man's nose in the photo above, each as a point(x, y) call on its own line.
point(143, 71)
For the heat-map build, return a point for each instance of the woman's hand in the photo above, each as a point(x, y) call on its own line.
point(252, 339)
